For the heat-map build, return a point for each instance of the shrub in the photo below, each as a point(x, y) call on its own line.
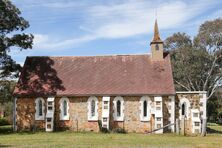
point(104, 130)
point(4, 121)
point(119, 130)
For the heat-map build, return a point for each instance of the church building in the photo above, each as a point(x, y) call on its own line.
point(87, 93)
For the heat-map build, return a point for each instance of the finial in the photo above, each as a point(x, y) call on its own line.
point(156, 37)
point(156, 14)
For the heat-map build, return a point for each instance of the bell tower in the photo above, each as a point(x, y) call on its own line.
point(156, 45)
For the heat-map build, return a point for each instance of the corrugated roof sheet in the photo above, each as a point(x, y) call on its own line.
point(95, 75)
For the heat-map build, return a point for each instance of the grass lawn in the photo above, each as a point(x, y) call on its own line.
point(72, 139)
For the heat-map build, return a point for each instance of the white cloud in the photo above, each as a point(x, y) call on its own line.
point(126, 19)
point(43, 42)
point(39, 39)
point(63, 5)
point(137, 18)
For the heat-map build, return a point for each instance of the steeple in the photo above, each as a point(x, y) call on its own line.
point(156, 45)
point(156, 36)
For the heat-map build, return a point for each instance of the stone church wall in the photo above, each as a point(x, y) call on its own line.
point(78, 116)
point(26, 115)
point(195, 103)
point(78, 119)
point(131, 121)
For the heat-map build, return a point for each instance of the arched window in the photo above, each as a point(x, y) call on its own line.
point(183, 109)
point(39, 109)
point(118, 107)
point(157, 47)
point(92, 108)
point(64, 108)
point(145, 108)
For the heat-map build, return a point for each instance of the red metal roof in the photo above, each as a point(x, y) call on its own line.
point(95, 75)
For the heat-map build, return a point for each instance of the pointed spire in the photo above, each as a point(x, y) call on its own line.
point(156, 37)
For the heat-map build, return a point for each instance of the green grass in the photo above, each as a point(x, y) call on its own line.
point(214, 128)
point(72, 139)
point(5, 129)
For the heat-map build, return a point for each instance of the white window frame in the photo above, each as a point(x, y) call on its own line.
point(148, 100)
point(187, 108)
point(62, 116)
point(90, 117)
point(195, 119)
point(37, 116)
point(115, 117)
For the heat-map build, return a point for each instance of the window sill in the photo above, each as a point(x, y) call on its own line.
point(40, 118)
point(64, 118)
point(119, 119)
point(144, 120)
point(95, 118)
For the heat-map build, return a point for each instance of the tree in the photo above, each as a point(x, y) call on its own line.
point(6, 90)
point(214, 107)
point(11, 26)
point(197, 63)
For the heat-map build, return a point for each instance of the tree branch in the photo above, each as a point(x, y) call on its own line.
point(212, 91)
point(182, 85)
point(191, 84)
point(209, 74)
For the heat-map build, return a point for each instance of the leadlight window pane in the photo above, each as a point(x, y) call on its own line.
point(64, 107)
point(183, 109)
point(40, 107)
point(118, 108)
point(145, 108)
point(93, 108)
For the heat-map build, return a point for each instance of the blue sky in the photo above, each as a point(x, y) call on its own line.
point(104, 27)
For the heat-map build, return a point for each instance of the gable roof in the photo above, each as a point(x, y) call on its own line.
point(95, 75)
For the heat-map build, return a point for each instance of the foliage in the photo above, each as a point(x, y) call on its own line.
point(119, 130)
point(214, 107)
point(6, 90)
point(4, 121)
point(197, 63)
point(11, 25)
point(6, 98)
point(102, 129)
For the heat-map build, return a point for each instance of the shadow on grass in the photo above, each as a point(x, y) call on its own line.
point(5, 145)
point(213, 131)
point(5, 130)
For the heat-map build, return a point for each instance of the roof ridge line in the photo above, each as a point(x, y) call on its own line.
point(92, 55)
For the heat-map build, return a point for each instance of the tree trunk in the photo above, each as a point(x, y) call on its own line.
point(204, 127)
